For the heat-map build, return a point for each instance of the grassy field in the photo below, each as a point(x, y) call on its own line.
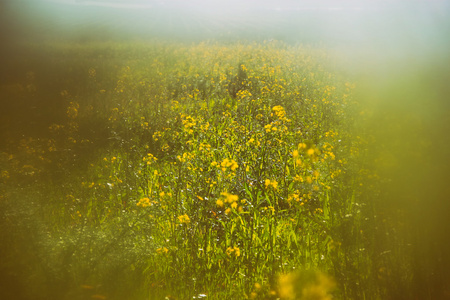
point(210, 170)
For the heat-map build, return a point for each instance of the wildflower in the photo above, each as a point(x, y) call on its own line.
point(72, 110)
point(271, 183)
point(149, 159)
point(229, 163)
point(219, 203)
point(156, 135)
point(279, 112)
point(186, 156)
point(302, 146)
point(162, 250)
point(230, 198)
point(235, 251)
point(184, 219)
point(305, 285)
point(316, 174)
point(144, 202)
point(270, 208)
point(298, 178)
point(188, 123)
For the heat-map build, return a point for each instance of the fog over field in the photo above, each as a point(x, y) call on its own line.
point(399, 23)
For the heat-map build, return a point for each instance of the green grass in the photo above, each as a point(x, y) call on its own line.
point(155, 170)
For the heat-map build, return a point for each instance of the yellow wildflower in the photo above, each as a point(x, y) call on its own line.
point(162, 250)
point(229, 163)
point(144, 202)
point(230, 198)
point(271, 183)
point(184, 219)
point(235, 251)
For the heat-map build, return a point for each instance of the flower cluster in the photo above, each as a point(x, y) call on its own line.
point(231, 201)
point(184, 219)
point(144, 202)
point(233, 251)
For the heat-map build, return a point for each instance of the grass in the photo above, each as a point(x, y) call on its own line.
point(188, 171)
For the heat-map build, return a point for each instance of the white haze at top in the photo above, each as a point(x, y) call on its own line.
point(351, 22)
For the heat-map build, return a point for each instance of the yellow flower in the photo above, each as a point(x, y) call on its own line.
point(298, 178)
point(302, 146)
point(305, 285)
point(235, 251)
point(229, 163)
point(184, 219)
point(162, 250)
point(230, 198)
point(72, 110)
point(219, 203)
point(149, 159)
point(144, 202)
point(274, 184)
point(271, 183)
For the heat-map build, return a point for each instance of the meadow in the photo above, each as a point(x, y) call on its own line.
point(164, 170)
